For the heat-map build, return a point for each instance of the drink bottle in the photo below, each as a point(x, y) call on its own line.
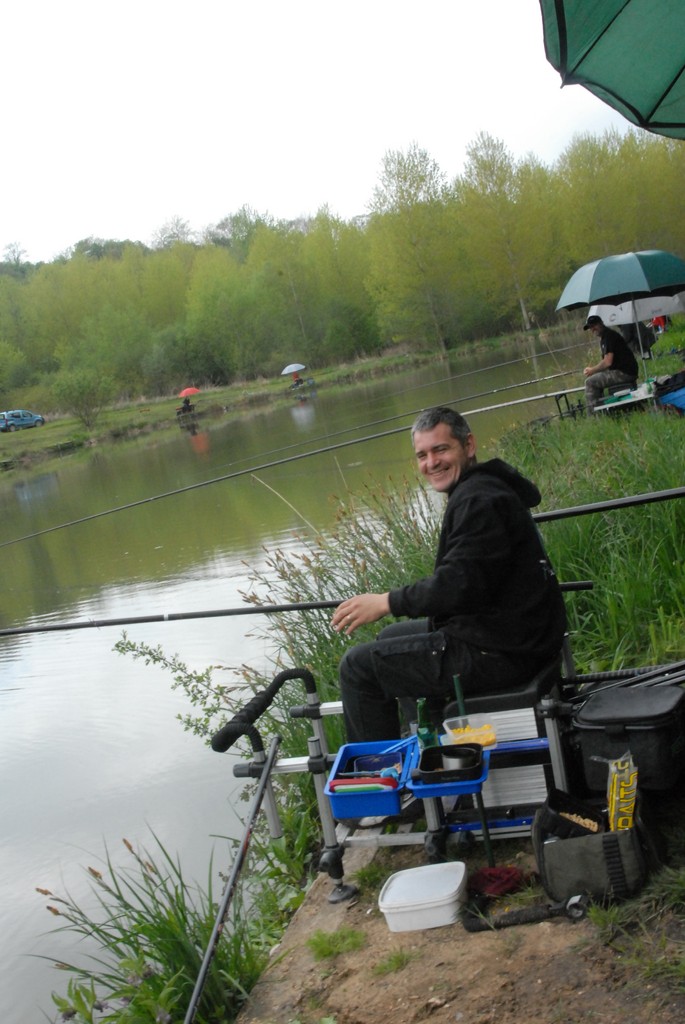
point(425, 730)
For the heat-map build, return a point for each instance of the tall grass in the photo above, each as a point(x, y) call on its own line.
point(152, 928)
point(636, 612)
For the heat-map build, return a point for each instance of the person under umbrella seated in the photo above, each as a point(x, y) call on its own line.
point(185, 407)
point(616, 366)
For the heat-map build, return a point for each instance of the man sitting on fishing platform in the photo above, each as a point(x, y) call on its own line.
point(617, 365)
point(491, 612)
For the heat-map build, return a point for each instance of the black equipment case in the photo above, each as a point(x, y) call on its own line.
point(648, 721)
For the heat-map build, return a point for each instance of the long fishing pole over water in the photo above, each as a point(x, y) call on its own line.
point(274, 463)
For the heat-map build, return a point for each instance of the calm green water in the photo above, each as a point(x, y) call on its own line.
point(91, 750)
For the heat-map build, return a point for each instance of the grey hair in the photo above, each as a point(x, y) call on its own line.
point(429, 419)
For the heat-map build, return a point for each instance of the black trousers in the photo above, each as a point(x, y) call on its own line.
point(408, 661)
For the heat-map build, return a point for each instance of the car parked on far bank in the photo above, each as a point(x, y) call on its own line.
point(19, 419)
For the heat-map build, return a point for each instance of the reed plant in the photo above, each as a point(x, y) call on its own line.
point(152, 928)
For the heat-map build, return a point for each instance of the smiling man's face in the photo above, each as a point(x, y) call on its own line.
point(441, 458)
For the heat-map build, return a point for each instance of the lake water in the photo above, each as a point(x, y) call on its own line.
point(92, 752)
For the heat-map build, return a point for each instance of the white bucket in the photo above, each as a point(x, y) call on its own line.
point(426, 897)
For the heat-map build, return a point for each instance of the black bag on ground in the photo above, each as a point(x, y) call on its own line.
point(647, 720)
point(577, 856)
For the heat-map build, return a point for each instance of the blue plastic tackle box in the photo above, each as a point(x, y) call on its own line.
point(354, 757)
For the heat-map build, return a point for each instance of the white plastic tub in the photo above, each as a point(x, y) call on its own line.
point(427, 897)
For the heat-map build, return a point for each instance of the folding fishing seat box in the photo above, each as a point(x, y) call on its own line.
point(648, 721)
point(524, 763)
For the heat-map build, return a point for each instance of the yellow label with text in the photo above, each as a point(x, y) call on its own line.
point(621, 793)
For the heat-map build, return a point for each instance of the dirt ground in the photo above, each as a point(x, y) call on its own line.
point(552, 972)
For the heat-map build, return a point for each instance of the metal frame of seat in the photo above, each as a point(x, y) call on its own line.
point(538, 695)
point(631, 384)
point(504, 824)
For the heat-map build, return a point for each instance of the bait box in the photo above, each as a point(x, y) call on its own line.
point(425, 897)
point(428, 776)
point(461, 762)
point(469, 729)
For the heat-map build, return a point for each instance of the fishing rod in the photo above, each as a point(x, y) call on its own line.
point(213, 613)
point(411, 412)
point(231, 884)
point(260, 468)
point(610, 504)
point(264, 609)
point(304, 606)
point(492, 366)
point(522, 401)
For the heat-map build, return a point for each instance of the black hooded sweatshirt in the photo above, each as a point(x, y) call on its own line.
point(493, 585)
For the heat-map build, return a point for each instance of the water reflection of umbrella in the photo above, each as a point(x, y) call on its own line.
point(292, 368)
point(629, 53)
point(627, 277)
point(188, 391)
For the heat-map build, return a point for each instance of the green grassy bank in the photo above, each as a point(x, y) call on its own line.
point(144, 420)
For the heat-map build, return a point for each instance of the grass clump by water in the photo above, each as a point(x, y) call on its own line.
point(394, 962)
point(152, 928)
point(328, 945)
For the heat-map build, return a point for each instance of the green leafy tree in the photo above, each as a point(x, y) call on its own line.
point(12, 370)
point(215, 318)
point(506, 228)
point(280, 284)
point(412, 250)
point(335, 258)
point(601, 191)
point(167, 361)
point(236, 231)
point(84, 393)
point(664, 182)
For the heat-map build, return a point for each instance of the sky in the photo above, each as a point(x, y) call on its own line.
point(119, 117)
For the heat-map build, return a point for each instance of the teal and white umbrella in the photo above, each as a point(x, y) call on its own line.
point(627, 278)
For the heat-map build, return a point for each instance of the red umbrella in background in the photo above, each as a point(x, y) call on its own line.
point(188, 391)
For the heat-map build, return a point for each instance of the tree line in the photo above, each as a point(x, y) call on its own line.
point(434, 264)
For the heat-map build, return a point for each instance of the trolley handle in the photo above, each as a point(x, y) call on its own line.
point(242, 723)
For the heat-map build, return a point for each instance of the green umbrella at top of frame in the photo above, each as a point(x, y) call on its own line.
point(629, 53)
